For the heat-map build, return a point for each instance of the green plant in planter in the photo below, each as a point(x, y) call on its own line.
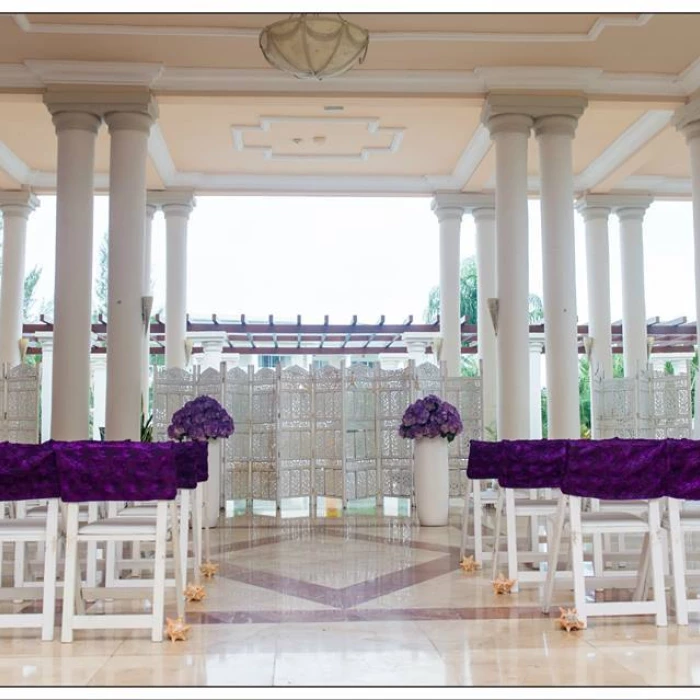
point(146, 428)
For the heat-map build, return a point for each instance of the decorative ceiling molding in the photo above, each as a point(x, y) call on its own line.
point(160, 78)
point(25, 24)
point(160, 155)
point(658, 184)
point(95, 72)
point(268, 152)
point(468, 162)
point(623, 147)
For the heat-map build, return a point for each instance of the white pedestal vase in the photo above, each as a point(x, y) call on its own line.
point(431, 479)
point(212, 487)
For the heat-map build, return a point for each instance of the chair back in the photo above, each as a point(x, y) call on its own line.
point(485, 459)
point(616, 469)
point(27, 472)
point(533, 464)
point(683, 476)
point(115, 471)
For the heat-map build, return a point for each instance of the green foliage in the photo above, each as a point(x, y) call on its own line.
point(469, 366)
point(30, 282)
point(101, 284)
point(146, 428)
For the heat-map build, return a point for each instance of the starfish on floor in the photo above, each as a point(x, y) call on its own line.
point(176, 629)
point(568, 620)
point(469, 565)
point(195, 593)
point(208, 569)
point(502, 584)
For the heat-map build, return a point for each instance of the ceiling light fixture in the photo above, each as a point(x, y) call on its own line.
point(314, 45)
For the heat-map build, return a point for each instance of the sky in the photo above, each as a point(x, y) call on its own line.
point(346, 256)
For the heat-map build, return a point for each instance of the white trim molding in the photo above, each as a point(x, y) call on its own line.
point(372, 123)
point(597, 28)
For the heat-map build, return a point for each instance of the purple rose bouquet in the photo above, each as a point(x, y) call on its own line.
point(431, 417)
point(203, 418)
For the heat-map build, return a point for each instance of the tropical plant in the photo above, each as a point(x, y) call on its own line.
point(146, 428)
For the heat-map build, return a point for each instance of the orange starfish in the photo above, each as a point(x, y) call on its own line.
point(193, 592)
point(502, 584)
point(469, 565)
point(176, 629)
point(208, 570)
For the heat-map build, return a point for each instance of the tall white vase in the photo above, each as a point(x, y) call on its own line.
point(212, 487)
point(431, 479)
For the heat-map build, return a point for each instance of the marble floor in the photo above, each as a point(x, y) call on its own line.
point(358, 599)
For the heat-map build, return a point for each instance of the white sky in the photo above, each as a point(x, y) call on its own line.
point(365, 256)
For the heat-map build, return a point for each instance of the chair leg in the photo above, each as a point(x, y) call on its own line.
point(640, 592)
point(197, 515)
point(678, 559)
point(657, 563)
point(478, 519)
point(577, 557)
point(553, 559)
point(465, 521)
point(48, 608)
point(20, 563)
point(497, 534)
point(184, 530)
point(159, 573)
point(512, 539)
point(70, 577)
point(177, 560)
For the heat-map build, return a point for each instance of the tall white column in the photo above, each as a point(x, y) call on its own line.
point(595, 214)
point(634, 323)
point(449, 212)
point(147, 292)
point(45, 339)
point(76, 132)
point(537, 343)
point(99, 393)
point(129, 132)
point(485, 220)
point(177, 206)
point(554, 135)
point(16, 208)
point(510, 134)
point(687, 119)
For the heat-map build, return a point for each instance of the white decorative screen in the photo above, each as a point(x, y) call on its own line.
point(237, 400)
point(328, 432)
point(20, 403)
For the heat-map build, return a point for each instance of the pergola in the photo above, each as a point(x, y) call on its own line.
point(477, 112)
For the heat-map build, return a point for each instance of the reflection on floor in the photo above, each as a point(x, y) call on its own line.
point(358, 599)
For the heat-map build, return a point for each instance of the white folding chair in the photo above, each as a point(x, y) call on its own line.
point(118, 472)
point(634, 470)
point(45, 532)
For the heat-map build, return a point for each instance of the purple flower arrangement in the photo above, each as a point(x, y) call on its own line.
point(203, 418)
point(431, 417)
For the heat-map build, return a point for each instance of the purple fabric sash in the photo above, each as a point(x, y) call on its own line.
point(27, 472)
point(485, 459)
point(533, 464)
point(683, 477)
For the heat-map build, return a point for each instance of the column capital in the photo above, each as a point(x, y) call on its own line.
point(448, 206)
point(18, 203)
point(687, 119)
point(592, 206)
point(45, 339)
point(123, 120)
point(76, 121)
point(510, 111)
point(536, 342)
point(175, 202)
point(562, 124)
point(632, 207)
point(210, 340)
point(151, 210)
point(100, 101)
point(484, 213)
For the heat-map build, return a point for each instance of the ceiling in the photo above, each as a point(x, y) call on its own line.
point(406, 122)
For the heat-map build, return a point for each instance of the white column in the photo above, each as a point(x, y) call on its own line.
point(449, 212)
point(147, 292)
point(417, 345)
point(76, 132)
point(16, 208)
point(688, 121)
point(634, 323)
point(485, 220)
point(45, 339)
point(99, 393)
point(510, 134)
point(392, 361)
point(537, 343)
point(129, 132)
point(595, 214)
point(554, 135)
point(177, 206)
point(213, 349)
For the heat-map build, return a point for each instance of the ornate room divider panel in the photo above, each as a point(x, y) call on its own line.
point(322, 432)
point(651, 405)
point(20, 396)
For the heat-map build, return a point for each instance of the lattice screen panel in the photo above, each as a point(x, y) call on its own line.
point(328, 432)
point(172, 389)
point(20, 403)
point(237, 400)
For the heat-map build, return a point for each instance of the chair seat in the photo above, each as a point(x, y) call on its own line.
point(129, 527)
point(613, 520)
point(22, 528)
point(535, 506)
point(139, 511)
